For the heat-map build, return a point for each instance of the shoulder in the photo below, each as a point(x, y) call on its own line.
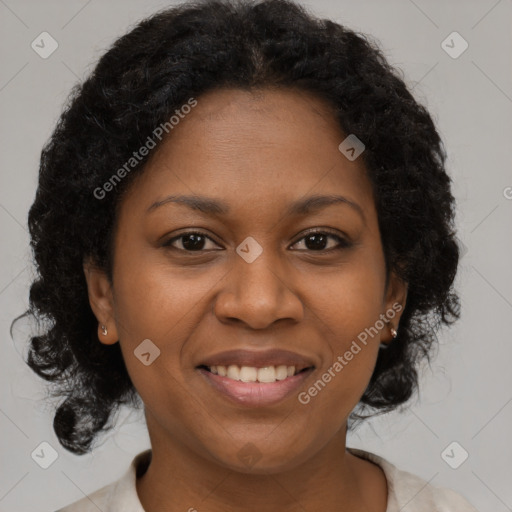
point(407, 489)
point(118, 495)
point(91, 503)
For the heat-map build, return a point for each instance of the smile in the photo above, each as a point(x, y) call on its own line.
point(253, 386)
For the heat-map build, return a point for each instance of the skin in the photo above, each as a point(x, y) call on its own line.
point(256, 151)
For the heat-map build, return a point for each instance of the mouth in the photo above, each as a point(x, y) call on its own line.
point(265, 374)
point(250, 386)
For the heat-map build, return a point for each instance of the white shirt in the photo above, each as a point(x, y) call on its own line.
point(406, 492)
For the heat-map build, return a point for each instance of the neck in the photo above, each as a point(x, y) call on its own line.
point(178, 478)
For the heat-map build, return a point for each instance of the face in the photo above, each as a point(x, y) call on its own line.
point(266, 268)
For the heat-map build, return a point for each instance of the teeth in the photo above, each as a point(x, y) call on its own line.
point(248, 374)
point(267, 374)
point(233, 372)
point(281, 372)
point(253, 374)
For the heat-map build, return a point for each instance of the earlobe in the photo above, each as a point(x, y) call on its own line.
point(396, 297)
point(105, 336)
point(99, 290)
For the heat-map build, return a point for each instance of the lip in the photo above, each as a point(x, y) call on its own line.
point(255, 394)
point(258, 359)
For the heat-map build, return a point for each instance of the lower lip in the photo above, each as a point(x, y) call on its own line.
point(256, 394)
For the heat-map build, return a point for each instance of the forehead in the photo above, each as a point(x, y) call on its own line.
point(265, 103)
point(270, 145)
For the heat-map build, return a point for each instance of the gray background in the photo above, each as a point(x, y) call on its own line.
point(466, 394)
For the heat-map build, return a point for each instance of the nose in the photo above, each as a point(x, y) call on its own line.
point(258, 294)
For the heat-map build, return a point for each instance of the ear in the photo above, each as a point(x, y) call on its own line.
point(101, 301)
point(394, 305)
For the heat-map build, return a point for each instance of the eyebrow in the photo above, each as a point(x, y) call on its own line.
point(303, 206)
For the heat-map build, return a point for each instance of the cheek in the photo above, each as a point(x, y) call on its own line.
point(152, 299)
point(152, 303)
point(347, 305)
point(349, 299)
point(156, 302)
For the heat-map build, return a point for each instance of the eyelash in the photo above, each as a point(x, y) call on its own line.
point(342, 242)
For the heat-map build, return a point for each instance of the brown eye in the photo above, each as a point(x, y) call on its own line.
point(318, 241)
point(191, 242)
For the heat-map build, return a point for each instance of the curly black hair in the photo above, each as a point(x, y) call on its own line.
point(137, 85)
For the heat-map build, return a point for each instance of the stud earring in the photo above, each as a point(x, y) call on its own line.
point(103, 330)
point(393, 332)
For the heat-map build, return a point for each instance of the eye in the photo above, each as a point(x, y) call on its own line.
point(195, 241)
point(318, 240)
point(191, 241)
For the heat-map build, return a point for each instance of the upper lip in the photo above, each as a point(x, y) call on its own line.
point(258, 359)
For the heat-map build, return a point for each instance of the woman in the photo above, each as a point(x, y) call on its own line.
point(253, 320)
